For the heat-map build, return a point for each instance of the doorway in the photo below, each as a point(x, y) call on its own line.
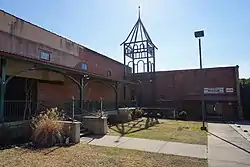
point(20, 99)
point(214, 109)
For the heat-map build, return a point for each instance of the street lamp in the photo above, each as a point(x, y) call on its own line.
point(199, 35)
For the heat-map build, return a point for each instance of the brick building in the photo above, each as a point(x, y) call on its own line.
point(52, 69)
point(185, 89)
point(182, 88)
point(40, 66)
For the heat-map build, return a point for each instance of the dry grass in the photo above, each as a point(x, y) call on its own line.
point(46, 131)
point(87, 155)
point(168, 130)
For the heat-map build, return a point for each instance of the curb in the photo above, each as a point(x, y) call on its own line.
point(240, 131)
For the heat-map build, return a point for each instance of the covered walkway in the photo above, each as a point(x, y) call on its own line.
point(37, 67)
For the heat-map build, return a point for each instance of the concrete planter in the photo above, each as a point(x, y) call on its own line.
point(95, 125)
point(72, 130)
point(15, 132)
point(21, 131)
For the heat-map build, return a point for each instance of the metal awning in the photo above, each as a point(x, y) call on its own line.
point(54, 66)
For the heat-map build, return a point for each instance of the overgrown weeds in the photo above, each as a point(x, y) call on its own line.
point(46, 130)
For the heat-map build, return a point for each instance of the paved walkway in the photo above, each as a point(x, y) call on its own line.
point(243, 128)
point(157, 146)
point(226, 147)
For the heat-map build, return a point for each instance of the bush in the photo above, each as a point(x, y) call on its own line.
point(46, 130)
point(121, 117)
point(124, 116)
point(137, 113)
point(182, 115)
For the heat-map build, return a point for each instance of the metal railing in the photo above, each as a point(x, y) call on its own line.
point(15, 110)
point(89, 106)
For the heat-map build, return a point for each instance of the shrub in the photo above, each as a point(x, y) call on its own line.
point(125, 116)
point(138, 113)
point(46, 130)
point(121, 117)
point(182, 115)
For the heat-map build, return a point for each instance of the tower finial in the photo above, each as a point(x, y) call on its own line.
point(139, 11)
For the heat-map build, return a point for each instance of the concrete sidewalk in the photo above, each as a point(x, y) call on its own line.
point(242, 126)
point(226, 147)
point(156, 146)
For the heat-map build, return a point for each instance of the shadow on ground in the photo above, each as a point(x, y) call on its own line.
point(233, 144)
point(134, 126)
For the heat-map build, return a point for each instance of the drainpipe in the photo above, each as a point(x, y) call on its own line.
point(237, 81)
point(2, 88)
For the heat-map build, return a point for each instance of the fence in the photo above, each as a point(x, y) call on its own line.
point(19, 110)
point(24, 110)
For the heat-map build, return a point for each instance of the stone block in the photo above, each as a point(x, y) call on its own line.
point(72, 129)
point(95, 125)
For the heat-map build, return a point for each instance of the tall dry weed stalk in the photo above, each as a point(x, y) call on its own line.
point(46, 130)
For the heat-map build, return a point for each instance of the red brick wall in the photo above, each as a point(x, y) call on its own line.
point(185, 84)
point(229, 111)
point(100, 64)
point(96, 90)
point(56, 94)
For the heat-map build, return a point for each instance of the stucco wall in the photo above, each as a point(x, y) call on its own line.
point(23, 29)
point(15, 67)
point(28, 48)
point(26, 39)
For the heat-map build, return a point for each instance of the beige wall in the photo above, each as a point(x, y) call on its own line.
point(27, 48)
point(23, 29)
point(23, 38)
point(14, 67)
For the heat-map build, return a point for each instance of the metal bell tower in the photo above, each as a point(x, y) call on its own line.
point(139, 50)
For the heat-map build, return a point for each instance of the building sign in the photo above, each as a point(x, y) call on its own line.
point(45, 56)
point(229, 90)
point(217, 90)
point(84, 66)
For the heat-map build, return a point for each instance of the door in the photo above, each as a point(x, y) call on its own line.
point(214, 109)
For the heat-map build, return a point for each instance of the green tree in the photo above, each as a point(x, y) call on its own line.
point(244, 81)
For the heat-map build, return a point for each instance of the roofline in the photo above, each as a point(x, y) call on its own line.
point(42, 28)
point(148, 39)
point(60, 67)
point(193, 69)
point(99, 54)
point(38, 26)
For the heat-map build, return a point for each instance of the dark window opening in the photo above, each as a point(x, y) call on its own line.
point(108, 73)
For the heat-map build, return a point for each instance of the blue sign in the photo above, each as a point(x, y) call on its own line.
point(84, 66)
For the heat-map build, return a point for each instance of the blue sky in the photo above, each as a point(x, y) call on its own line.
point(103, 24)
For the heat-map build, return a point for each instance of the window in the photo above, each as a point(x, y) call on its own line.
point(108, 73)
point(45, 55)
point(84, 66)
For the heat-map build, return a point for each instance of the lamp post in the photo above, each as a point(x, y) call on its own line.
point(199, 35)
